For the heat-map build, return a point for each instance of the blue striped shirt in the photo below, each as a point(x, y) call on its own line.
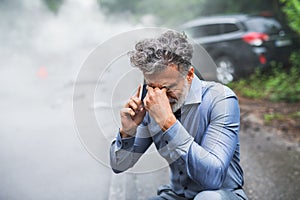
point(202, 149)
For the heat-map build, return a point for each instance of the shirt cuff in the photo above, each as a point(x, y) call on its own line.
point(178, 139)
point(124, 143)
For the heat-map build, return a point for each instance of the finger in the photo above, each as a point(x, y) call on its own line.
point(138, 102)
point(133, 105)
point(127, 112)
point(164, 89)
point(146, 101)
point(146, 104)
point(149, 89)
point(138, 93)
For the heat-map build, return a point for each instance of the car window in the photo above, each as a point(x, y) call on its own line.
point(228, 28)
point(264, 25)
point(205, 30)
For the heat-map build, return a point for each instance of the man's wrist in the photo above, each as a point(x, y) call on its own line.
point(168, 123)
point(126, 134)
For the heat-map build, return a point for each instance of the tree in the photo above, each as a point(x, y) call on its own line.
point(54, 5)
point(292, 10)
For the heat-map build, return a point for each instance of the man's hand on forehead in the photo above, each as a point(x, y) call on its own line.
point(157, 104)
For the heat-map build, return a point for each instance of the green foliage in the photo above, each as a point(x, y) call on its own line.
point(269, 117)
point(277, 85)
point(292, 10)
point(233, 6)
point(272, 116)
point(246, 90)
point(116, 6)
point(53, 5)
point(296, 114)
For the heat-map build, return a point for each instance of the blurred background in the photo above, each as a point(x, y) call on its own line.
point(44, 43)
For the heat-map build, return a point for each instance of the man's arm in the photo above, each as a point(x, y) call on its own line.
point(133, 138)
point(125, 152)
point(207, 163)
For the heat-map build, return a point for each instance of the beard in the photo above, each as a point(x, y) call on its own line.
point(176, 104)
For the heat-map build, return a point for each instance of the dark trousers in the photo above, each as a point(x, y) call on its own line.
point(166, 193)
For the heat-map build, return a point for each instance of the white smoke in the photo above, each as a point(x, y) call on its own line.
point(32, 36)
point(28, 26)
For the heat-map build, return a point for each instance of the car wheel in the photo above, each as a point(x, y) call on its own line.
point(225, 69)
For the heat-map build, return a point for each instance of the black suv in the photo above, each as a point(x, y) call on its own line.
point(240, 43)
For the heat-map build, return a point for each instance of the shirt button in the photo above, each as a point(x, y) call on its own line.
point(125, 143)
point(185, 188)
point(180, 172)
point(166, 142)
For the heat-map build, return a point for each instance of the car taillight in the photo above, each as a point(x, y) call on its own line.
point(255, 38)
point(262, 59)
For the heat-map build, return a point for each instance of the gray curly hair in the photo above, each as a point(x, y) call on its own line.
point(155, 54)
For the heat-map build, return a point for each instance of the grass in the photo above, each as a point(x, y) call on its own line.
point(268, 118)
point(277, 85)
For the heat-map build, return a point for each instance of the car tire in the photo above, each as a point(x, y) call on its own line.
point(225, 69)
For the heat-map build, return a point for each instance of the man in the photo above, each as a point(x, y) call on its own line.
point(193, 123)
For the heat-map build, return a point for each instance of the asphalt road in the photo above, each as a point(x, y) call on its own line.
point(271, 165)
point(41, 155)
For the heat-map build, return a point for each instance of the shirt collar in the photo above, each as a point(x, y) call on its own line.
point(195, 92)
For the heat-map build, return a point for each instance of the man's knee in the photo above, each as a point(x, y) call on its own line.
point(211, 195)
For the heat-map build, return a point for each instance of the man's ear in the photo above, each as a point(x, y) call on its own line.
point(190, 75)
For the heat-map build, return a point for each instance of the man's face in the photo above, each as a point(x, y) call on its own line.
point(176, 84)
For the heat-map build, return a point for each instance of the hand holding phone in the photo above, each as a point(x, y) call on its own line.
point(133, 113)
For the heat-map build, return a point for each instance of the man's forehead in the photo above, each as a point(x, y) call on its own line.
point(160, 77)
point(166, 74)
point(162, 82)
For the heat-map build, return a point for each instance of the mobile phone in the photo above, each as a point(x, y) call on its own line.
point(143, 93)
